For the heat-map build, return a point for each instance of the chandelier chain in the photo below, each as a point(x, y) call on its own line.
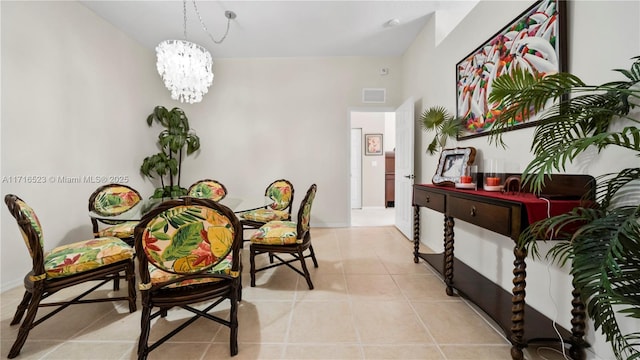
point(184, 13)
point(205, 27)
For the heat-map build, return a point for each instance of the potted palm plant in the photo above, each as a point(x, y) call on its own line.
point(175, 141)
point(601, 240)
point(445, 125)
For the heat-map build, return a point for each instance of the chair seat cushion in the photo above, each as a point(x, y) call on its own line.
point(265, 215)
point(85, 255)
point(122, 230)
point(160, 276)
point(276, 233)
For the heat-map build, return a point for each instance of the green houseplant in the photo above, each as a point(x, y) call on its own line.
point(601, 240)
point(175, 141)
point(445, 125)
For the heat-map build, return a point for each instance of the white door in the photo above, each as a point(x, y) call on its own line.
point(405, 123)
point(356, 168)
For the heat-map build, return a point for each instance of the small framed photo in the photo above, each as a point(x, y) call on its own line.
point(451, 165)
point(373, 144)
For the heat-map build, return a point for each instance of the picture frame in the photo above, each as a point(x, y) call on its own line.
point(451, 165)
point(535, 40)
point(373, 144)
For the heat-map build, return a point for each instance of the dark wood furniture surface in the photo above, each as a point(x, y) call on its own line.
point(508, 217)
point(389, 178)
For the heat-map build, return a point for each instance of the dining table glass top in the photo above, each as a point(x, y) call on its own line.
point(238, 205)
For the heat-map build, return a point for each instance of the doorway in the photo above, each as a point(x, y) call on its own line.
point(370, 205)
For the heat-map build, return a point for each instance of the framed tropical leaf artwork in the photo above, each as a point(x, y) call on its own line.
point(534, 41)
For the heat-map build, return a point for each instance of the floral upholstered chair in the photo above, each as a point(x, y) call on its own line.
point(208, 189)
point(286, 237)
point(188, 253)
point(281, 193)
point(100, 259)
point(112, 200)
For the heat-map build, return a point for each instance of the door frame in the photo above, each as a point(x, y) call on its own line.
point(358, 154)
point(348, 138)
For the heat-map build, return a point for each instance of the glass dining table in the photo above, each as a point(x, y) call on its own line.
point(238, 205)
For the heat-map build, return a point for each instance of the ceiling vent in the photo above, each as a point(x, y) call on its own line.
point(377, 96)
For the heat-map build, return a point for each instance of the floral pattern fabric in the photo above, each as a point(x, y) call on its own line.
point(265, 215)
point(85, 255)
point(159, 276)
point(122, 230)
point(276, 233)
point(208, 190)
point(115, 200)
point(280, 192)
point(187, 239)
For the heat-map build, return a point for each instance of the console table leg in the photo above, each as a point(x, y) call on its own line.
point(518, 303)
point(578, 327)
point(416, 233)
point(448, 253)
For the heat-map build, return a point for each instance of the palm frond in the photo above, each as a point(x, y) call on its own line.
point(603, 265)
point(438, 119)
point(600, 241)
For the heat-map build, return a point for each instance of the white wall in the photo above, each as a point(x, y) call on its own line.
point(372, 165)
point(429, 76)
point(286, 117)
point(76, 93)
point(75, 96)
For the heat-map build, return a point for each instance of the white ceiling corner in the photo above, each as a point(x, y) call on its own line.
point(266, 28)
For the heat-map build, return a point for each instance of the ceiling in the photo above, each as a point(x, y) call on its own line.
point(277, 28)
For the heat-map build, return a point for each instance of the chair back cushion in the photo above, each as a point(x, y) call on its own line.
point(208, 189)
point(281, 192)
point(188, 239)
point(304, 214)
point(113, 199)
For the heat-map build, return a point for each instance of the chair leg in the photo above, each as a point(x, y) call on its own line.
point(144, 332)
point(313, 256)
point(307, 276)
point(233, 340)
point(131, 286)
point(252, 270)
point(27, 324)
point(21, 308)
point(240, 284)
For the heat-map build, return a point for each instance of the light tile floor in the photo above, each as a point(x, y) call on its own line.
point(373, 217)
point(371, 301)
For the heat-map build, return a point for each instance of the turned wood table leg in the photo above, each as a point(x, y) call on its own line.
point(416, 233)
point(578, 312)
point(448, 253)
point(518, 303)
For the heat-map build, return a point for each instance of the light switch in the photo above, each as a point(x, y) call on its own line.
point(374, 163)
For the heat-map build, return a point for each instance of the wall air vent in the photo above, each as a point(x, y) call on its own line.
point(377, 96)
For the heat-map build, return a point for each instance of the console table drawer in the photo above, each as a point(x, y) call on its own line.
point(489, 216)
point(429, 199)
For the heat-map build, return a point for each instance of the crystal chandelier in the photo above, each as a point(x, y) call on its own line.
point(185, 67)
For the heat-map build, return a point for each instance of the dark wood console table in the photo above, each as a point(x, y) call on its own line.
point(508, 215)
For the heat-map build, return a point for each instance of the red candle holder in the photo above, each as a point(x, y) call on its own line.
point(492, 181)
